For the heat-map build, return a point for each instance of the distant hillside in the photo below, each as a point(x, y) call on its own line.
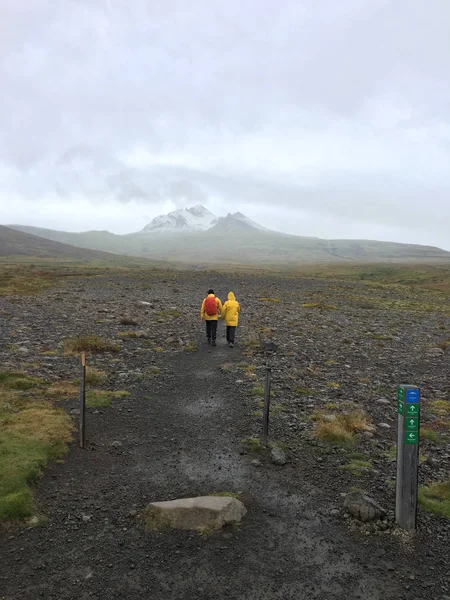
point(18, 243)
point(235, 239)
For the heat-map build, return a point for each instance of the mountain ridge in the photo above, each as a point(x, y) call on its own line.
point(195, 235)
point(18, 243)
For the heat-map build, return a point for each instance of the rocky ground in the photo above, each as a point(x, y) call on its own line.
point(340, 346)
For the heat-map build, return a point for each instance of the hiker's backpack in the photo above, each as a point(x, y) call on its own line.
point(210, 306)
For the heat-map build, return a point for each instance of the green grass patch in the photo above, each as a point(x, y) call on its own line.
point(128, 334)
point(391, 453)
point(31, 435)
point(266, 299)
point(259, 391)
point(170, 313)
point(89, 343)
point(441, 407)
point(95, 377)
point(103, 398)
point(429, 435)
point(17, 380)
point(334, 385)
point(275, 409)
point(25, 281)
point(191, 346)
point(357, 466)
point(62, 390)
point(319, 305)
point(436, 498)
point(280, 445)
point(253, 445)
point(153, 372)
point(304, 391)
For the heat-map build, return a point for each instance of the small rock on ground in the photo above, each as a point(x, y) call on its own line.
point(363, 507)
point(278, 456)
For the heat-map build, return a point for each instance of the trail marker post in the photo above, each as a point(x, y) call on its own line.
point(82, 399)
point(408, 408)
point(266, 409)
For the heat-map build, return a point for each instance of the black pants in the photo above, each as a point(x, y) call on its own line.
point(211, 329)
point(231, 332)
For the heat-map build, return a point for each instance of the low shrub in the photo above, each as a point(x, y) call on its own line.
point(89, 343)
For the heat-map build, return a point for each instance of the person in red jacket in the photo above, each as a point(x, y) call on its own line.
point(211, 307)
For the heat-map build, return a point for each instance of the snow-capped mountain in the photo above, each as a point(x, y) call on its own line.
point(196, 218)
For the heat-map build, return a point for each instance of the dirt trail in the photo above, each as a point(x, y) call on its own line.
point(183, 440)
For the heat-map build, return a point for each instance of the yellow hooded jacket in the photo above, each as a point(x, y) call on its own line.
point(230, 311)
point(206, 317)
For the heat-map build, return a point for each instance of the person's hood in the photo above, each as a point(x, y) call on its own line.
point(231, 296)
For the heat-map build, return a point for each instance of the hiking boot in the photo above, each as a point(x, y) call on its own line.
point(208, 340)
point(213, 343)
point(231, 345)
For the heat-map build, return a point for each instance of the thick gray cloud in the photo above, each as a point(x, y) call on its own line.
point(336, 110)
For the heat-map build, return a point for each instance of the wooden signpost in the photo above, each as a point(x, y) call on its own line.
point(266, 409)
point(408, 408)
point(82, 399)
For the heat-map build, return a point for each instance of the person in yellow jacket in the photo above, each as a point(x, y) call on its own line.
point(211, 307)
point(230, 314)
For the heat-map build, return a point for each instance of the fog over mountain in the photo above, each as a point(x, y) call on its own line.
point(311, 118)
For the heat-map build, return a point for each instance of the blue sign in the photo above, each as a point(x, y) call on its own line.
point(412, 396)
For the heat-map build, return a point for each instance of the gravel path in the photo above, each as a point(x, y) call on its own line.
point(181, 435)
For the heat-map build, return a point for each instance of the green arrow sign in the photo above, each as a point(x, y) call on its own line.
point(412, 410)
point(401, 393)
point(411, 437)
point(401, 407)
point(412, 423)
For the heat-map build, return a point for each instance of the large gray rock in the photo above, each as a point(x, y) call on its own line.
point(363, 507)
point(211, 512)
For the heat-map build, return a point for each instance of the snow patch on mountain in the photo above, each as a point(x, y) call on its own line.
point(195, 218)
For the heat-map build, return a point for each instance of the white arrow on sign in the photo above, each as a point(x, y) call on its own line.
point(411, 422)
point(411, 435)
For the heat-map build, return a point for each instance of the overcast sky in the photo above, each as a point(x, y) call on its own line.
point(334, 117)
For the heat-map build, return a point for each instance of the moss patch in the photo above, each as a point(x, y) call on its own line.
point(357, 466)
point(253, 445)
point(30, 436)
point(436, 498)
point(17, 380)
point(103, 398)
